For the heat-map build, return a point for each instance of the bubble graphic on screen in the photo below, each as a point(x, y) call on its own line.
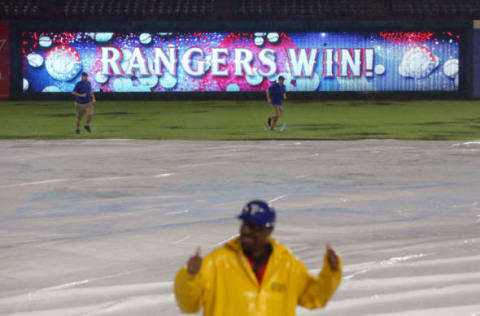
point(418, 62)
point(273, 37)
point(379, 69)
point(450, 68)
point(168, 81)
point(148, 81)
point(255, 79)
point(233, 87)
point(45, 41)
point(122, 84)
point(35, 60)
point(101, 78)
point(26, 85)
point(101, 37)
point(63, 63)
point(259, 41)
point(304, 83)
point(145, 38)
point(51, 89)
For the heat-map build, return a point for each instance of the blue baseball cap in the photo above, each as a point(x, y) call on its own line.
point(259, 213)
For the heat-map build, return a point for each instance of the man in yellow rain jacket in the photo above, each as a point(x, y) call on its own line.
point(254, 275)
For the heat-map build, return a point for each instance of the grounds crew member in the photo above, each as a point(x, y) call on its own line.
point(254, 275)
point(84, 99)
point(275, 93)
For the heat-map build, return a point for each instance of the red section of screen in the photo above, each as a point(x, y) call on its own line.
point(4, 60)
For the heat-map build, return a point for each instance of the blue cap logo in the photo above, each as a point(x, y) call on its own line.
point(259, 213)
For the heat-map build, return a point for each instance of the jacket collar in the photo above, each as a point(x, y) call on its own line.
point(277, 249)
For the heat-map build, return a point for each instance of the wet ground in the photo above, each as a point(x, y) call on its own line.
point(100, 227)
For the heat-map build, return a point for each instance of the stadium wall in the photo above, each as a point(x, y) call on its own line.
point(460, 87)
point(476, 60)
point(4, 60)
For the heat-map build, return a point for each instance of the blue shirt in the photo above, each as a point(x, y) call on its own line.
point(276, 93)
point(83, 87)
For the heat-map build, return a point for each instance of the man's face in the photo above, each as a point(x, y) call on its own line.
point(281, 81)
point(84, 78)
point(253, 237)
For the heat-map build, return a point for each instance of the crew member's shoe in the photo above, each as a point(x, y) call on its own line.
point(88, 128)
point(77, 131)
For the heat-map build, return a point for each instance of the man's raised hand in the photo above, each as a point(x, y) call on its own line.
point(195, 262)
point(332, 258)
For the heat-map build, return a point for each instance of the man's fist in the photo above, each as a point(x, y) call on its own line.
point(194, 263)
point(332, 258)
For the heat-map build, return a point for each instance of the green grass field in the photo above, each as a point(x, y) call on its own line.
point(243, 120)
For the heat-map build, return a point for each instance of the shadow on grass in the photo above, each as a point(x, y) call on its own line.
point(311, 127)
point(430, 123)
point(60, 115)
point(469, 120)
point(40, 137)
point(28, 103)
point(73, 114)
point(433, 137)
point(340, 104)
point(359, 135)
point(447, 136)
point(285, 138)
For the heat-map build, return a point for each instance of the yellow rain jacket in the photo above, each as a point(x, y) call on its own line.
point(227, 286)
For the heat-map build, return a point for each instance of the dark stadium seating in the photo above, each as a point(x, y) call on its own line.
point(242, 9)
point(19, 8)
point(436, 8)
point(306, 8)
point(133, 8)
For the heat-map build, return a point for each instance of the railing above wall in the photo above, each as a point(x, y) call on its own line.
point(238, 9)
